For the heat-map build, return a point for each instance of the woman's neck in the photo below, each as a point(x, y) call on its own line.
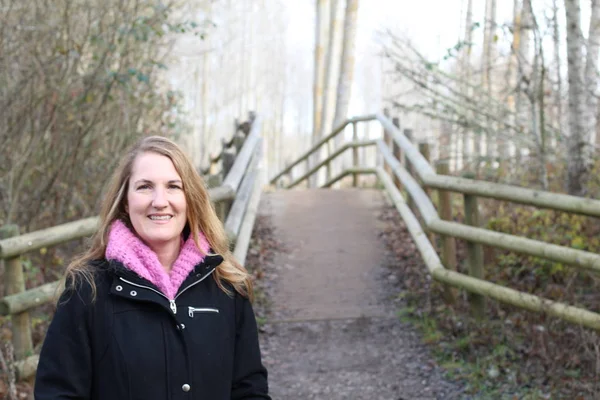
point(167, 254)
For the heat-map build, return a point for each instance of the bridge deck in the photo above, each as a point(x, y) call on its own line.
point(333, 333)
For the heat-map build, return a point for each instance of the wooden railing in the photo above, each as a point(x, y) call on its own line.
point(403, 164)
point(241, 188)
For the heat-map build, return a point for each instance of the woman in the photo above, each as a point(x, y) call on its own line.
point(156, 308)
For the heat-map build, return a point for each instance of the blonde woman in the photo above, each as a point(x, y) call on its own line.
point(156, 308)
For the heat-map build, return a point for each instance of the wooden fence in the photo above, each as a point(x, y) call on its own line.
point(402, 166)
point(235, 190)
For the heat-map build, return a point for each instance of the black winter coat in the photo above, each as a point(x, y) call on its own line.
point(132, 343)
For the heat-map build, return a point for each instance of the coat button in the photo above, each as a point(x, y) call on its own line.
point(133, 293)
point(186, 387)
point(119, 288)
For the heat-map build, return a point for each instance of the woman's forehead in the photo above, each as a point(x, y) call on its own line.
point(153, 166)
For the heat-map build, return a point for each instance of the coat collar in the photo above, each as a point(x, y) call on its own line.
point(126, 247)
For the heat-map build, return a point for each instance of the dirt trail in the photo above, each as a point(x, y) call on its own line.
point(332, 332)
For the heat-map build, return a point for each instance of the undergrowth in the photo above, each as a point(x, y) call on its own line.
point(510, 353)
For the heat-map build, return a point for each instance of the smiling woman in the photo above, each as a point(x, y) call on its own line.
point(121, 329)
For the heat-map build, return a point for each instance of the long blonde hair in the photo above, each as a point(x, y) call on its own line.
point(201, 217)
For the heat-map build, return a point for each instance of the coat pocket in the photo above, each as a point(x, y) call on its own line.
point(196, 310)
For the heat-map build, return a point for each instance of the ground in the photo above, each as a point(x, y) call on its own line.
point(331, 329)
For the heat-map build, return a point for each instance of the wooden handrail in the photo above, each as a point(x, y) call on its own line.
point(516, 194)
point(238, 208)
point(234, 177)
point(334, 155)
point(578, 258)
point(321, 142)
point(503, 294)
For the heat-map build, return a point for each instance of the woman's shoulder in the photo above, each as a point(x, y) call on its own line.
point(88, 283)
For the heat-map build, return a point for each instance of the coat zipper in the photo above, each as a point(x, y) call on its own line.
point(172, 303)
point(192, 310)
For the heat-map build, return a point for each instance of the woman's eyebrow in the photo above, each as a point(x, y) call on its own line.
point(149, 181)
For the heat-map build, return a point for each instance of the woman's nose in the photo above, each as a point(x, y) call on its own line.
point(160, 199)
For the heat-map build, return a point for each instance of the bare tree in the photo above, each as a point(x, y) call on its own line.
point(321, 28)
point(578, 160)
point(591, 72)
point(344, 86)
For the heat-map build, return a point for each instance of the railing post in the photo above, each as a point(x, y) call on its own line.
point(448, 242)
point(387, 139)
point(238, 141)
point(397, 151)
point(15, 283)
point(409, 135)
point(424, 150)
point(227, 159)
point(474, 256)
point(213, 181)
point(328, 151)
point(354, 153)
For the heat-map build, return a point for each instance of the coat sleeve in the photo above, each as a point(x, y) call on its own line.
point(65, 365)
point(249, 375)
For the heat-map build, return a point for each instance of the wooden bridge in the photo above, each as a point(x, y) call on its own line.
point(407, 178)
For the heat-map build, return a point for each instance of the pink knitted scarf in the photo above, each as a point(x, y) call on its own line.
point(124, 246)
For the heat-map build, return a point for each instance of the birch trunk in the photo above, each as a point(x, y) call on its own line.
point(557, 64)
point(524, 72)
point(502, 142)
point(466, 66)
point(344, 86)
point(485, 143)
point(591, 72)
point(330, 62)
point(577, 158)
point(319, 76)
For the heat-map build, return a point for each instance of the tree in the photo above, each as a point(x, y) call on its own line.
point(344, 86)
point(578, 158)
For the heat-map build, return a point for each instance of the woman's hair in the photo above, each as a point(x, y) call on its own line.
point(201, 217)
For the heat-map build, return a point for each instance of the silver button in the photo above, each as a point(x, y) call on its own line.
point(186, 387)
point(119, 288)
point(133, 293)
point(182, 326)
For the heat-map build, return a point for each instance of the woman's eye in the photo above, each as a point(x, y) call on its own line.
point(142, 187)
point(174, 187)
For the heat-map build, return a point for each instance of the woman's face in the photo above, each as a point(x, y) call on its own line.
point(156, 201)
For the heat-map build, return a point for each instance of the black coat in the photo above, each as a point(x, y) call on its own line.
point(133, 343)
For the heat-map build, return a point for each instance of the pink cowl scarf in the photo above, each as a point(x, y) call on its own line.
point(124, 246)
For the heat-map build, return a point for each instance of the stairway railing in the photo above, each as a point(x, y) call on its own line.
point(443, 269)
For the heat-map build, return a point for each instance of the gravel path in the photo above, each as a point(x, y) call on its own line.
point(332, 331)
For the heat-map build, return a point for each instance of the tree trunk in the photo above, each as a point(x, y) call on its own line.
point(319, 66)
point(591, 72)
point(319, 77)
point(466, 67)
point(488, 56)
point(330, 83)
point(344, 86)
point(577, 158)
point(557, 64)
point(524, 74)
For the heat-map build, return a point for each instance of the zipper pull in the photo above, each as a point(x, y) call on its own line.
point(191, 312)
point(173, 306)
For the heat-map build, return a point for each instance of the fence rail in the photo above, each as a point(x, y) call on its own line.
point(402, 164)
point(241, 188)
